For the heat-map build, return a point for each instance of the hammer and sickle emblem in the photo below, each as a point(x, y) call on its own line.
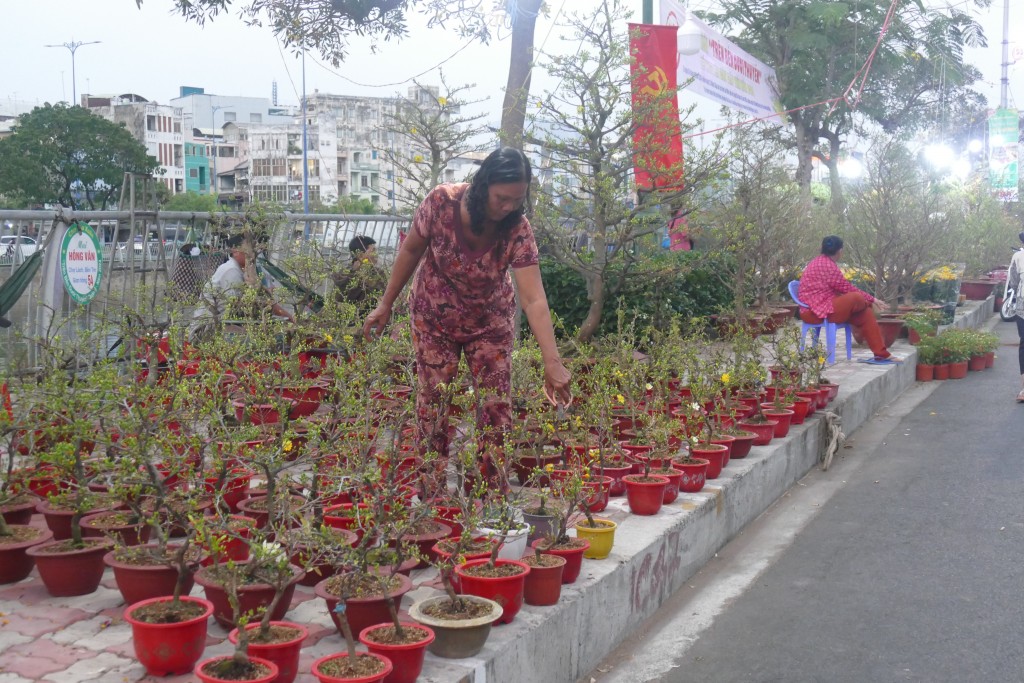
point(658, 81)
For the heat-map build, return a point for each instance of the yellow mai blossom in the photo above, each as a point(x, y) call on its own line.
point(821, 360)
point(620, 398)
point(366, 260)
point(287, 446)
point(328, 338)
point(549, 468)
point(418, 158)
point(550, 427)
point(586, 475)
point(348, 339)
point(648, 386)
point(413, 131)
point(443, 101)
point(725, 378)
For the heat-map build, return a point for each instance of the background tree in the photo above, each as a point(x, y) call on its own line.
point(760, 218)
point(437, 132)
point(66, 155)
point(818, 48)
point(585, 215)
point(900, 221)
point(190, 201)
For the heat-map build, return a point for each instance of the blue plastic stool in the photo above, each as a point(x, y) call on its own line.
point(830, 329)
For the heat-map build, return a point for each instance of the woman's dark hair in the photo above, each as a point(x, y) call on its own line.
point(831, 245)
point(360, 243)
point(504, 165)
point(1020, 235)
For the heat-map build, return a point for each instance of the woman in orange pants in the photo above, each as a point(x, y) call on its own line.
point(828, 294)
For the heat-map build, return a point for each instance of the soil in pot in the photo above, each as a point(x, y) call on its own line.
point(218, 669)
point(572, 549)
point(67, 569)
point(141, 573)
point(367, 605)
point(251, 595)
point(503, 583)
point(339, 668)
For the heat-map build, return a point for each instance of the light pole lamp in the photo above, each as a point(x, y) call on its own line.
point(72, 47)
point(214, 108)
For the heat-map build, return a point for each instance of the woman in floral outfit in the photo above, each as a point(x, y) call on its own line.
point(466, 238)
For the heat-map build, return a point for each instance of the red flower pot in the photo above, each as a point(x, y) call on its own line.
point(544, 584)
point(425, 541)
point(645, 497)
point(694, 474)
point(573, 558)
point(138, 582)
point(235, 545)
point(58, 520)
point(824, 394)
point(601, 492)
point(617, 487)
point(327, 678)
point(990, 359)
point(727, 441)
point(170, 649)
point(672, 490)
point(71, 572)
point(924, 373)
point(976, 363)
point(833, 390)
point(782, 417)
point(93, 526)
point(206, 676)
point(235, 487)
point(19, 513)
point(284, 655)
point(406, 658)
point(802, 407)
point(958, 370)
point(742, 441)
point(251, 596)
point(714, 454)
point(941, 371)
point(507, 591)
point(15, 563)
point(763, 432)
point(363, 612)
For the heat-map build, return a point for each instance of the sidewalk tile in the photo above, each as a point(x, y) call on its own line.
point(105, 667)
point(97, 633)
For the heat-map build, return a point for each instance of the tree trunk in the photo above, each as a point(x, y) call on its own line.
point(595, 287)
point(520, 67)
point(835, 182)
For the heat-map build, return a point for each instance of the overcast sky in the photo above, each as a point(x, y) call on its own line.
point(152, 52)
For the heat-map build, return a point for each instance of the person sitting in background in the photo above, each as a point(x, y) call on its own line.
point(362, 281)
point(1016, 277)
point(225, 289)
point(828, 294)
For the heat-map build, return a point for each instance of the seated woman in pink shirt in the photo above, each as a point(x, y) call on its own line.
point(828, 294)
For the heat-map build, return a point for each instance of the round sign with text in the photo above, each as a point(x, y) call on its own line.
point(81, 262)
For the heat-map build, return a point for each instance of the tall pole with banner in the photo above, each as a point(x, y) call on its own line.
point(1003, 152)
point(657, 142)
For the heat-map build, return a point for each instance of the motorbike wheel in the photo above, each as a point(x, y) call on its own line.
point(1007, 312)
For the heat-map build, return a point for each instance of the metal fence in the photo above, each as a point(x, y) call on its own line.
point(142, 252)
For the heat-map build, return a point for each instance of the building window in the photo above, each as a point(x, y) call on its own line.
point(364, 181)
point(230, 116)
point(193, 173)
point(255, 118)
point(373, 155)
point(151, 123)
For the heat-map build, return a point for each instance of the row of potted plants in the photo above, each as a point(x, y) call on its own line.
point(952, 353)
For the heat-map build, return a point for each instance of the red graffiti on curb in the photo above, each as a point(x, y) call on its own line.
point(651, 579)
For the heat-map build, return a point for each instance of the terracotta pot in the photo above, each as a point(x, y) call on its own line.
point(573, 558)
point(406, 658)
point(59, 520)
point(977, 290)
point(71, 572)
point(601, 488)
point(714, 454)
point(694, 473)
point(367, 611)
point(672, 490)
point(742, 441)
point(617, 486)
point(170, 649)
point(941, 371)
point(456, 638)
point(543, 585)
point(138, 582)
point(205, 672)
point(782, 417)
point(96, 526)
point(645, 497)
point(976, 363)
point(425, 541)
point(20, 513)
point(727, 441)
point(925, 373)
point(764, 431)
point(801, 406)
point(958, 370)
point(284, 655)
point(15, 562)
point(833, 390)
point(507, 591)
point(891, 328)
point(375, 678)
point(990, 359)
point(250, 596)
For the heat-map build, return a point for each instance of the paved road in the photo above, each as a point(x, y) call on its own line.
point(905, 562)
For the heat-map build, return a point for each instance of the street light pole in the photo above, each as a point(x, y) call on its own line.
point(72, 47)
point(214, 108)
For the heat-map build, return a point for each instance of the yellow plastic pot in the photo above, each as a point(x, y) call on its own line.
point(601, 539)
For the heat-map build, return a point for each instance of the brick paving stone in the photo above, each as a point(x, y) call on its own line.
point(98, 633)
point(37, 658)
point(13, 678)
point(104, 667)
point(38, 620)
point(9, 639)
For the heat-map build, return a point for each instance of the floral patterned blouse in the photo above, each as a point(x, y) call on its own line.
point(462, 291)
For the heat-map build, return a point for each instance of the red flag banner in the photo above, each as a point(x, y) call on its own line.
point(657, 145)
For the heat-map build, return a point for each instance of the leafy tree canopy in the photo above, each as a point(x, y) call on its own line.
point(66, 155)
point(191, 201)
point(325, 26)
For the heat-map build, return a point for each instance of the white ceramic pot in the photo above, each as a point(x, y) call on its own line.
point(515, 540)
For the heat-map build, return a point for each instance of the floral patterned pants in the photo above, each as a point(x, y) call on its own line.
point(488, 356)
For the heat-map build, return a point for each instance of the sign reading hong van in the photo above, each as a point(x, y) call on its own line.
point(81, 262)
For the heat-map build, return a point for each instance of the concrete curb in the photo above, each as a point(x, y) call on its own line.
point(654, 556)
